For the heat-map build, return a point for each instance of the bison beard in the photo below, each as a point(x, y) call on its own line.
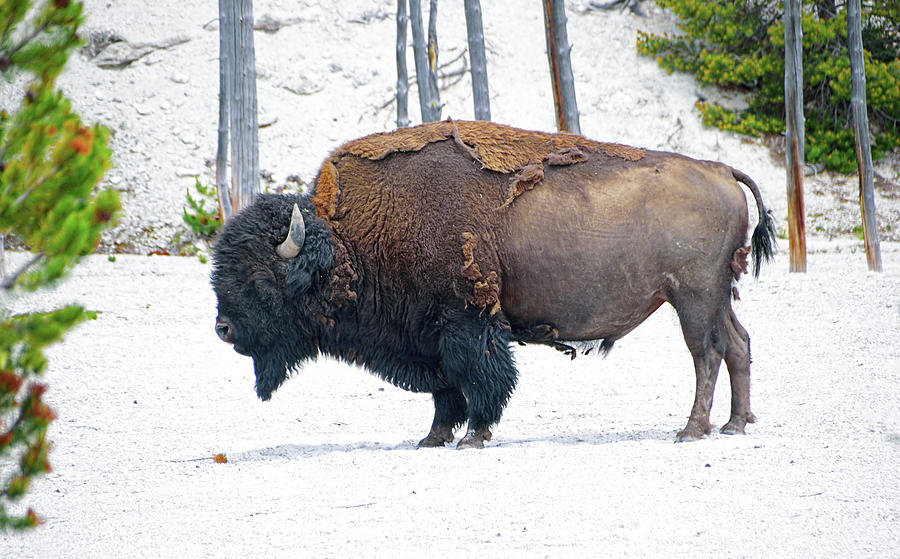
point(423, 253)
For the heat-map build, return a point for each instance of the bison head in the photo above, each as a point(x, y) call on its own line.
point(270, 264)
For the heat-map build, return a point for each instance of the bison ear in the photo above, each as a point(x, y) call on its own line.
point(267, 287)
point(313, 261)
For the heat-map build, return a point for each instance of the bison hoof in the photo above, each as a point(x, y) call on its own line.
point(474, 439)
point(691, 433)
point(439, 436)
point(732, 428)
point(736, 424)
point(433, 440)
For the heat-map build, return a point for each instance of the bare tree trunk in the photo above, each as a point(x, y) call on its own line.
point(559, 51)
point(2, 257)
point(434, 91)
point(429, 104)
point(239, 77)
point(794, 121)
point(226, 69)
point(478, 60)
point(402, 76)
point(861, 131)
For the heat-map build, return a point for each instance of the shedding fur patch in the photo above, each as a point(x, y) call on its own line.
point(739, 263)
point(343, 275)
point(566, 156)
point(739, 266)
point(486, 291)
point(627, 153)
point(469, 268)
point(523, 181)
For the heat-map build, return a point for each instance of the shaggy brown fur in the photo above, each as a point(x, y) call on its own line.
point(495, 146)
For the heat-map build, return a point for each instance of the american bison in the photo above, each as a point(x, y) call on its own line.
point(424, 252)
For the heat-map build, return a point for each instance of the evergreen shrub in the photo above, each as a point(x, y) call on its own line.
point(741, 45)
point(50, 163)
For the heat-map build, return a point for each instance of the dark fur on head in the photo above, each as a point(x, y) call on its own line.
point(284, 312)
point(258, 291)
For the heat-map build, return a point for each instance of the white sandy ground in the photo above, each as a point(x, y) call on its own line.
point(582, 463)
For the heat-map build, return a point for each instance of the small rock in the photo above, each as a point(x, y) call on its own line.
point(120, 55)
point(303, 85)
point(265, 120)
point(179, 78)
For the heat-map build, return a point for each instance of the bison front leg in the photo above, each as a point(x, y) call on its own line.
point(449, 413)
point(475, 357)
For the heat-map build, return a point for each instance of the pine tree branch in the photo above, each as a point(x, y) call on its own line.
point(9, 282)
point(31, 36)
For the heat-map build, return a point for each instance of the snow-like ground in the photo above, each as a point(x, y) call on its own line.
point(582, 463)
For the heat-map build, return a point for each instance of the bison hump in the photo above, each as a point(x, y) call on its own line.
point(498, 147)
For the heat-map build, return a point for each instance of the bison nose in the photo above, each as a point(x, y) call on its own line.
point(225, 331)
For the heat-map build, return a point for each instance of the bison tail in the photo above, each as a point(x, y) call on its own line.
point(762, 242)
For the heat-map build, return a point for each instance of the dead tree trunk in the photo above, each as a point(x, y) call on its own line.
point(477, 60)
point(861, 131)
point(558, 52)
point(2, 257)
point(794, 124)
point(434, 91)
point(226, 31)
point(237, 107)
point(402, 77)
point(428, 100)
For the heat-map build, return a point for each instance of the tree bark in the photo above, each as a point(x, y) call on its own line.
point(794, 127)
point(558, 53)
point(861, 131)
point(478, 61)
point(402, 76)
point(2, 257)
point(434, 90)
point(226, 69)
point(238, 83)
point(428, 103)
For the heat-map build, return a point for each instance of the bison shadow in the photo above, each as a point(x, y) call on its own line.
point(300, 451)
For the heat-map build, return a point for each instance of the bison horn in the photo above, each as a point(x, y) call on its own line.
point(295, 237)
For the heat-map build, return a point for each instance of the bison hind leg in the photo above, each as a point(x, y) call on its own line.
point(476, 359)
point(704, 324)
point(737, 358)
point(449, 413)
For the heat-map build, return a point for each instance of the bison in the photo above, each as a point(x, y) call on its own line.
point(423, 253)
